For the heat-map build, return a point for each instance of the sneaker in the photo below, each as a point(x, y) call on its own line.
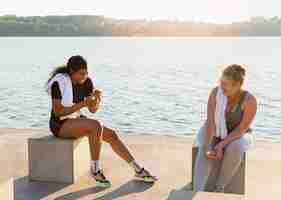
point(100, 179)
point(145, 176)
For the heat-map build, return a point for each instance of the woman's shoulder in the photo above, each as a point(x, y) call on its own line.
point(214, 91)
point(88, 82)
point(88, 85)
point(249, 98)
point(249, 95)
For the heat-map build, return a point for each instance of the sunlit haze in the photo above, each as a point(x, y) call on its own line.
point(217, 11)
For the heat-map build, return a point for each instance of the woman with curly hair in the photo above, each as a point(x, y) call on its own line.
point(226, 134)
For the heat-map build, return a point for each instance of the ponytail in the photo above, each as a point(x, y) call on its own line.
point(74, 64)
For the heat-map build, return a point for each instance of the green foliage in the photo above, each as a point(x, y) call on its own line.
point(91, 25)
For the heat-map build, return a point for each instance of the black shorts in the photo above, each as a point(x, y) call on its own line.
point(55, 126)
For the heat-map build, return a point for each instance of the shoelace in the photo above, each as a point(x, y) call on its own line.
point(100, 174)
point(144, 173)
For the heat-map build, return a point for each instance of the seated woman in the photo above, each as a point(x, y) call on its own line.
point(71, 89)
point(226, 134)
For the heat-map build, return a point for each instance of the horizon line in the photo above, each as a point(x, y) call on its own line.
point(171, 19)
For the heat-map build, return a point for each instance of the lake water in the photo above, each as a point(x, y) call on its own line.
point(151, 85)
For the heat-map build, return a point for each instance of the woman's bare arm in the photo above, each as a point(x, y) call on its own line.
point(60, 110)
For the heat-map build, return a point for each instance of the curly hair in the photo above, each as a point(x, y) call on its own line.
point(235, 72)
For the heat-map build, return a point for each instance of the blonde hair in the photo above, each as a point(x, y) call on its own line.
point(235, 72)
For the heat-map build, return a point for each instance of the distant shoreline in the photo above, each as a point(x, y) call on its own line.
point(79, 36)
point(94, 25)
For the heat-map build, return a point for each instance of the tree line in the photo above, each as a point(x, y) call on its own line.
point(92, 25)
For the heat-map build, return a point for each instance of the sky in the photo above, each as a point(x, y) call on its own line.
point(217, 11)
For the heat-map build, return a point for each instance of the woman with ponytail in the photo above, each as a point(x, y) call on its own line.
point(71, 89)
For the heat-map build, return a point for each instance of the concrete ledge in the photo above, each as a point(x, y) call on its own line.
point(236, 186)
point(173, 167)
point(216, 196)
point(6, 188)
point(58, 160)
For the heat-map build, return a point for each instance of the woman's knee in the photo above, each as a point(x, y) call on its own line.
point(96, 128)
point(235, 147)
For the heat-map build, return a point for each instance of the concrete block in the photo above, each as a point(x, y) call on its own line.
point(58, 160)
point(236, 186)
point(216, 196)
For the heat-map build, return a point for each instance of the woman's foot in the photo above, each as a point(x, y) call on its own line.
point(100, 179)
point(145, 176)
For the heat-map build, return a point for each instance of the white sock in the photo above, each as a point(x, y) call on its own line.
point(95, 165)
point(135, 166)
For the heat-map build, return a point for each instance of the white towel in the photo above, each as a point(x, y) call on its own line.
point(65, 85)
point(221, 103)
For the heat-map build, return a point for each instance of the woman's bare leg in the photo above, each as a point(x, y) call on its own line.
point(117, 145)
point(121, 150)
point(77, 128)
